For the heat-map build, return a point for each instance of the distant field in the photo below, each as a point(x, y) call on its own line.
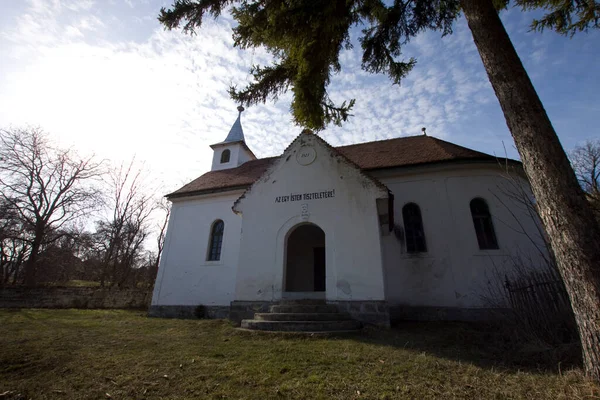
point(76, 354)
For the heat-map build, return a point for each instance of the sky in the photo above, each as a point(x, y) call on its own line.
point(104, 77)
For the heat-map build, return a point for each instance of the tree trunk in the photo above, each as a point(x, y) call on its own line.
point(30, 272)
point(567, 216)
point(15, 274)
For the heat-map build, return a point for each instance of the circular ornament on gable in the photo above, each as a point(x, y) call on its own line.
point(306, 155)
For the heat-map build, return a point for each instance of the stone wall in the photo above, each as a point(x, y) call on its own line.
point(186, 312)
point(74, 297)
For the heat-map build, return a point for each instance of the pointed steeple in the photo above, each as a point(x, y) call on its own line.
point(233, 151)
point(236, 133)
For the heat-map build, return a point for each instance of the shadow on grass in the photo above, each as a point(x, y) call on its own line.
point(484, 345)
point(489, 346)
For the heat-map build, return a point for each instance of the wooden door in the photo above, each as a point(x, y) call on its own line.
point(319, 269)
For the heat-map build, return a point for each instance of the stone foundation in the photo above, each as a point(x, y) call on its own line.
point(246, 309)
point(366, 311)
point(420, 313)
point(378, 313)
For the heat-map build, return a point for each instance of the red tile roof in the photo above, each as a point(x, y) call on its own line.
point(399, 152)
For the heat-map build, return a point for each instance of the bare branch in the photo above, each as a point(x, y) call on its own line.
point(48, 187)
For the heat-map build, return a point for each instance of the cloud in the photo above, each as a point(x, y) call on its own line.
point(161, 95)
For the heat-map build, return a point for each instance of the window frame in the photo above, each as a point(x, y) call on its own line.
point(225, 154)
point(483, 224)
point(213, 234)
point(416, 232)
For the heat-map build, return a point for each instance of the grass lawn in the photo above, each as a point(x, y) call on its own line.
point(77, 354)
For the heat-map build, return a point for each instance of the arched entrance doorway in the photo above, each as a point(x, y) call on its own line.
point(305, 259)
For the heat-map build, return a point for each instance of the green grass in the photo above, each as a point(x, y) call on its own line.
point(75, 283)
point(77, 354)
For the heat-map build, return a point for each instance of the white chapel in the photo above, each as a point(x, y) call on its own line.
point(406, 228)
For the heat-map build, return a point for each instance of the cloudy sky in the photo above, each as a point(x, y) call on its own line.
point(104, 77)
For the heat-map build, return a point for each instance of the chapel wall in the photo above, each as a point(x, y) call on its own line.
point(185, 277)
point(454, 272)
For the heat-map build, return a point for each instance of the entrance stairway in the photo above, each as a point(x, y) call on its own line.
point(302, 316)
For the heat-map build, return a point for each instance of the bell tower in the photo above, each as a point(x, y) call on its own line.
point(233, 151)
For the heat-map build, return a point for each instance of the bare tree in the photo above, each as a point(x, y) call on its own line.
point(61, 257)
point(586, 163)
point(48, 187)
point(122, 236)
point(517, 199)
point(527, 280)
point(164, 207)
point(13, 249)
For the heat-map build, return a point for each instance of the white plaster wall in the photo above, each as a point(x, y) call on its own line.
point(354, 269)
point(454, 272)
point(243, 156)
point(184, 275)
point(360, 263)
point(239, 155)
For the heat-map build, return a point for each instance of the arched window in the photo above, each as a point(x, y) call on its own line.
point(216, 240)
point(225, 156)
point(484, 227)
point(413, 228)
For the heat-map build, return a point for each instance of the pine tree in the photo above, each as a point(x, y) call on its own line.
point(306, 37)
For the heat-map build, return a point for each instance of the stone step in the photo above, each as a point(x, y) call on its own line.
point(302, 316)
point(300, 326)
point(303, 308)
point(293, 302)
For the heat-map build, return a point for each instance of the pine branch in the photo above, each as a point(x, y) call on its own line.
point(191, 11)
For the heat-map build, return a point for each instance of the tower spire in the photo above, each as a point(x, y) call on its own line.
point(233, 151)
point(236, 133)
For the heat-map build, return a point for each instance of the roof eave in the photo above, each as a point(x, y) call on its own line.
point(469, 160)
point(176, 195)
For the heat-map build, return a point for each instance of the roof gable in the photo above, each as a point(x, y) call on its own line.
point(322, 149)
point(390, 153)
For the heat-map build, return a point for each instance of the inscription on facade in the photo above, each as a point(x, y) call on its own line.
point(327, 194)
point(304, 211)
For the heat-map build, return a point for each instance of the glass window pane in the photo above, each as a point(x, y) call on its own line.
point(413, 229)
point(216, 241)
point(225, 156)
point(484, 226)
